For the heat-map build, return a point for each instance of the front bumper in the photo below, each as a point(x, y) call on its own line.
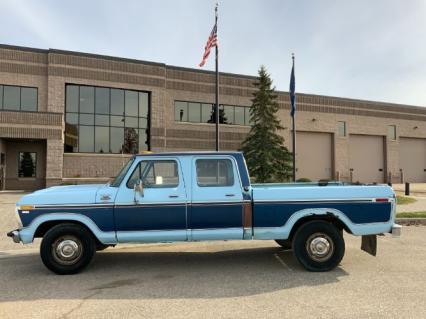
point(14, 234)
point(396, 230)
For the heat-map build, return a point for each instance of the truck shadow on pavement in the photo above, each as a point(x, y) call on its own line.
point(136, 274)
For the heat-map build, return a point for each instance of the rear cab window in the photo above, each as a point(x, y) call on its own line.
point(214, 172)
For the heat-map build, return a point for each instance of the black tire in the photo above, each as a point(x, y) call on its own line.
point(319, 246)
point(67, 248)
point(284, 243)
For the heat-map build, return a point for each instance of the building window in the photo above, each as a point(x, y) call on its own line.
point(205, 113)
point(17, 98)
point(27, 163)
point(106, 120)
point(392, 132)
point(341, 128)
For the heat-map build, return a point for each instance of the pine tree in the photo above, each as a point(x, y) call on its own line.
point(27, 165)
point(268, 160)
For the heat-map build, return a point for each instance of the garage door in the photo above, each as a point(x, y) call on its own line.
point(366, 160)
point(313, 155)
point(412, 156)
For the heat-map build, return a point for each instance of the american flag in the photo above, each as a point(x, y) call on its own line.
point(211, 42)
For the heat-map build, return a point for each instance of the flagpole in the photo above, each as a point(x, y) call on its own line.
point(217, 86)
point(294, 131)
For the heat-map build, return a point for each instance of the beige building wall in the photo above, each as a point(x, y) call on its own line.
point(50, 70)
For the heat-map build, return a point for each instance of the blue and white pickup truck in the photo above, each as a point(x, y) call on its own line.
point(196, 196)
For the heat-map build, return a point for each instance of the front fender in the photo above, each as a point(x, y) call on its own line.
point(27, 233)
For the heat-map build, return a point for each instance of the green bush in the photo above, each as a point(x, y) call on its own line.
point(303, 180)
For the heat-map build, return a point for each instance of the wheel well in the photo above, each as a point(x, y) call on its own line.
point(46, 226)
point(328, 218)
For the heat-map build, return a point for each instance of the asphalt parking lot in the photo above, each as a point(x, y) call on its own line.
point(252, 279)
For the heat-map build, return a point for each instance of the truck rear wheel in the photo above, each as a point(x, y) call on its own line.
point(67, 249)
point(318, 246)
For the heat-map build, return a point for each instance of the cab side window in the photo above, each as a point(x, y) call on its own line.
point(155, 174)
point(214, 172)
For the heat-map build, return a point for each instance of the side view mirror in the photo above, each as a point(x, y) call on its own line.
point(138, 188)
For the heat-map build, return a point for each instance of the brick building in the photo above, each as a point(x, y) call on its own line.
point(69, 117)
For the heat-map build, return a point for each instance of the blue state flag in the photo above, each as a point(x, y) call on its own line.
point(293, 91)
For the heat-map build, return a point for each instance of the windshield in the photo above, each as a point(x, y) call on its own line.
point(118, 179)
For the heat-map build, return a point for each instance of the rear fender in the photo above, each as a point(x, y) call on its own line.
point(283, 232)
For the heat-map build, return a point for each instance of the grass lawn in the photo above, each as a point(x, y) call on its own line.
point(411, 215)
point(404, 200)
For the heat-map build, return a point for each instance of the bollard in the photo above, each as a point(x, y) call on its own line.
point(407, 189)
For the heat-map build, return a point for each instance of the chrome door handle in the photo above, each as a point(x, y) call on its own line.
point(230, 195)
point(173, 196)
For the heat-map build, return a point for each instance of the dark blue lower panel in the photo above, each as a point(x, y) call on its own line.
point(103, 217)
point(152, 217)
point(216, 216)
point(277, 214)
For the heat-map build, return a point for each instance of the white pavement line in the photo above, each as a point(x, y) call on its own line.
point(282, 262)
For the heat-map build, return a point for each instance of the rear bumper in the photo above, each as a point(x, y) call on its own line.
point(14, 234)
point(396, 230)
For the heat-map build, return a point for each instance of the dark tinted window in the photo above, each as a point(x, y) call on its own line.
point(181, 111)
point(17, 98)
point(71, 101)
point(28, 99)
point(194, 112)
point(101, 139)
point(86, 139)
point(143, 104)
point(131, 103)
point(102, 101)
point(214, 172)
point(239, 115)
point(87, 99)
point(117, 102)
point(11, 98)
point(117, 137)
point(110, 110)
point(206, 113)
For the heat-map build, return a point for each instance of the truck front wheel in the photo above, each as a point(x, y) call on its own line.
point(318, 246)
point(67, 249)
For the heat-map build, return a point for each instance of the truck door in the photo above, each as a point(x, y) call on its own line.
point(217, 200)
point(160, 213)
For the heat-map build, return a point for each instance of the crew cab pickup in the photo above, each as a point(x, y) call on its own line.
point(197, 196)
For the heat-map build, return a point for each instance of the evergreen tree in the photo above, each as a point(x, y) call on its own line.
point(27, 165)
point(268, 160)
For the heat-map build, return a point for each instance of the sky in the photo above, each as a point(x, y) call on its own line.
point(372, 50)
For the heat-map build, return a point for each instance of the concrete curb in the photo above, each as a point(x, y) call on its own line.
point(411, 221)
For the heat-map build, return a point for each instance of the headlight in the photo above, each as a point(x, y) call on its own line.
point(18, 219)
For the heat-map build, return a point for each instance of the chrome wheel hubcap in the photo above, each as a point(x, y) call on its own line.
point(320, 247)
point(67, 250)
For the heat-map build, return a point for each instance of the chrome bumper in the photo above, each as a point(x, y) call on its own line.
point(14, 234)
point(396, 230)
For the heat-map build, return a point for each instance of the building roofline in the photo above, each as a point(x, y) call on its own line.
point(22, 48)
